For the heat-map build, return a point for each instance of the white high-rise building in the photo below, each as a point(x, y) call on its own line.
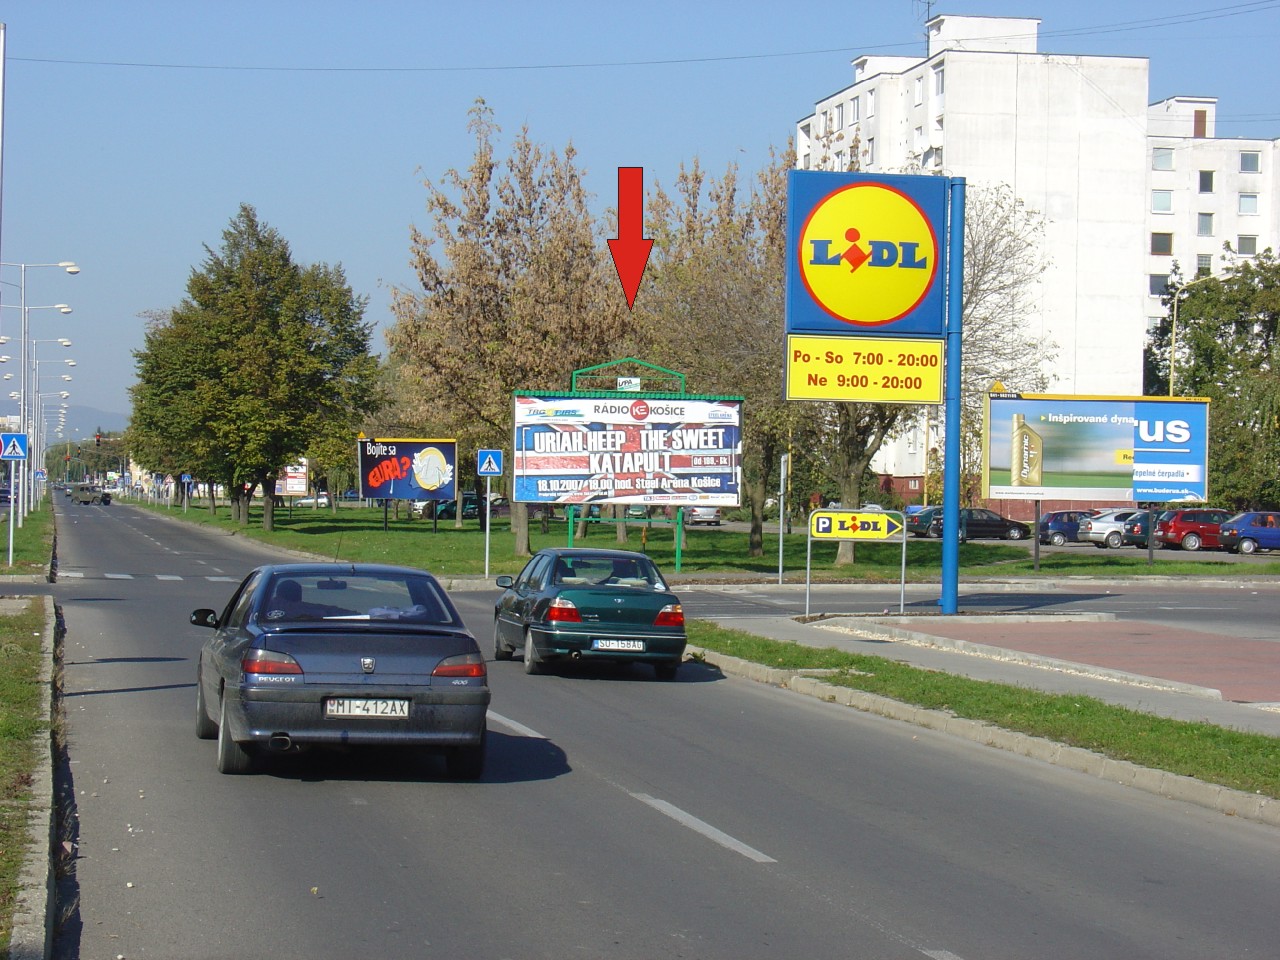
point(1125, 187)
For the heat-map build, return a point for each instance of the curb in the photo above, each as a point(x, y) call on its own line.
point(32, 935)
point(1225, 800)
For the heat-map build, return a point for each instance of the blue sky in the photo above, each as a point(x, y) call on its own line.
point(133, 130)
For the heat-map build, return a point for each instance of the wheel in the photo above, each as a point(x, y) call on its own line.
point(1191, 542)
point(532, 665)
point(500, 650)
point(1015, 533)
point(1248, 546)
point(1058, 538)
point(232, 757)
point(934, 533)
point(1113, 540)
point(466, 763)
point(206, 729)
point(665, 671)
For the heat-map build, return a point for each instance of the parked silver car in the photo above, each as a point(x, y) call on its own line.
point(1106, 528)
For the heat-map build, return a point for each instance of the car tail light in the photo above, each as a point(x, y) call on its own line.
point(269, 662)
point(563, 611)
point(463, 665)
point(672, 615)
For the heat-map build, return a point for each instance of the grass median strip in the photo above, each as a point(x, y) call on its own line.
point(1231, 758)
point(20, 638)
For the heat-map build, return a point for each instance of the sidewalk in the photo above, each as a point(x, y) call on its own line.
point(1183, 674)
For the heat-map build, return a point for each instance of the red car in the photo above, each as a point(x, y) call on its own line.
point(1191, 528)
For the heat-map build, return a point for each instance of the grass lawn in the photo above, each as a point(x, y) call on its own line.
point(1242, 761)
point(357, 533)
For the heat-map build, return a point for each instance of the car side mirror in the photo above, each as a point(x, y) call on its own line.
point(505, 581)
point(204, 618)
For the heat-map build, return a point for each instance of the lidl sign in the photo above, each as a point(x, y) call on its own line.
point(848, 525)
point(866, 254)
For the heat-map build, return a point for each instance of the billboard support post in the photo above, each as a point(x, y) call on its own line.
point(951, 451)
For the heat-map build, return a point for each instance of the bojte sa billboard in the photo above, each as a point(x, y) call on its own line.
point(1138, 449)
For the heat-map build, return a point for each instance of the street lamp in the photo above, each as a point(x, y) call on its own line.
point(72, 268)
point(1173, 330)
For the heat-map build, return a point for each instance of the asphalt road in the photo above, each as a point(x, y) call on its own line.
point(620, 817)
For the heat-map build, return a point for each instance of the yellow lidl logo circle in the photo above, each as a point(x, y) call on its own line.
point(868, 254)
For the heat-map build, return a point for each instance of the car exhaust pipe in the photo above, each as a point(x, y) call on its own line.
point(280, 741)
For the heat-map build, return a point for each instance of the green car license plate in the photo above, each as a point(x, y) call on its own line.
point(633, 645)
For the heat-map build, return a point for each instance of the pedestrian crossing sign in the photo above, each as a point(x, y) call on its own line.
point(13, 446)
point(489, 463)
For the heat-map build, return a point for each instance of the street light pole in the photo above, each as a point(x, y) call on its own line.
point(1173, 333)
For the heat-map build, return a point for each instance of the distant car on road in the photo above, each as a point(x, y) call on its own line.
point(1251, 532)
point(589, 605)
point(1059, 527)
point(1191, 528)
point(707, 515)
point(318, 500)
point(314, 655)
point(1105, 528)
point(976, 523)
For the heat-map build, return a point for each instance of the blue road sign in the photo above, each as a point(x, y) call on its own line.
point(13, 446)
point(489, 463)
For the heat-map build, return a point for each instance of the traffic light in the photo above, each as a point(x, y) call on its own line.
point(97, 439)
point(67, 458)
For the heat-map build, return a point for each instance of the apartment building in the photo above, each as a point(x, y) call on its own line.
point(1125, 187)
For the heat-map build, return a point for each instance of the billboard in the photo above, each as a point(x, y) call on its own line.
point(865, 254)
point(408, 469)
point(635, 449)
point(1062, 447)
point(293, 480)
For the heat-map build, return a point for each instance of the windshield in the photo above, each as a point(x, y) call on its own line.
point(356, 596)
point(586, 570)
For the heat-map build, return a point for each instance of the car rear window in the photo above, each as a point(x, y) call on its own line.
point(608, 571)
point(357, 596)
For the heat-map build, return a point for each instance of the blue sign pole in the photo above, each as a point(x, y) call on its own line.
point(949, 600)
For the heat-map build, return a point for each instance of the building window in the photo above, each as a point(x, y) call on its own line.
point(1204, 264)
point(939, 86)
point(1162, 201)
point(1250, 161)
point(1162, 158)
point(871, 150)
point(804, 165)
point(1206, 181)
point(1200, 124)
point(839, 116)
point(920, 141)
point(919, 90)
point(1157, 284)
point(1204, 224)
point(871, 103)
point(1247, 246)
point(1248, 203)
point(855, 112)
point(1162, 244)
point(1153, 323)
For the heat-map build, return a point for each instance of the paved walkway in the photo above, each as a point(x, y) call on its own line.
point(1177, 673)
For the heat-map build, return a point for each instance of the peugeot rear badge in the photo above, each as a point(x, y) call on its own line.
point(367, 664)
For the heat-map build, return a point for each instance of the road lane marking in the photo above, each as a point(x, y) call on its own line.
point(517, 728)
point(167, 576)
point(704, 828)
point(118, 576)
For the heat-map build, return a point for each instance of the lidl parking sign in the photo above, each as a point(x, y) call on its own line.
point(866, 254)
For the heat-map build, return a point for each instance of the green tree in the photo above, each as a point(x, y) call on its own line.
point(260, 359)
point(514, 293)
point(1230, 330)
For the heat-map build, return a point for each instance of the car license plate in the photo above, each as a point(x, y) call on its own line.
point(372, 709)
point(617, 645)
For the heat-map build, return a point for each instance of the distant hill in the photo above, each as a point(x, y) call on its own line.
point(83, 422)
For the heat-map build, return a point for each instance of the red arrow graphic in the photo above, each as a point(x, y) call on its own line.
point(630, 251)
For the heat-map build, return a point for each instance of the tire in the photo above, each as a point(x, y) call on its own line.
point(1248, 546)
point(466, 763)
point(206, 729)
point(532, 665)
point(500, 650)
point(1113, 540)
point(665, 671)
point(1015, 533)
point(1191, 542)
point(232, 757)
point(934, 533)
point(1058, 538)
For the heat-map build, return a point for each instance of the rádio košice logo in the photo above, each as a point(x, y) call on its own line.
point(868, 254)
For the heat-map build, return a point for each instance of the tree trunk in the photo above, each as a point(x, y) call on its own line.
point(520, 527)
point(756, 496)
point(620, 513)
